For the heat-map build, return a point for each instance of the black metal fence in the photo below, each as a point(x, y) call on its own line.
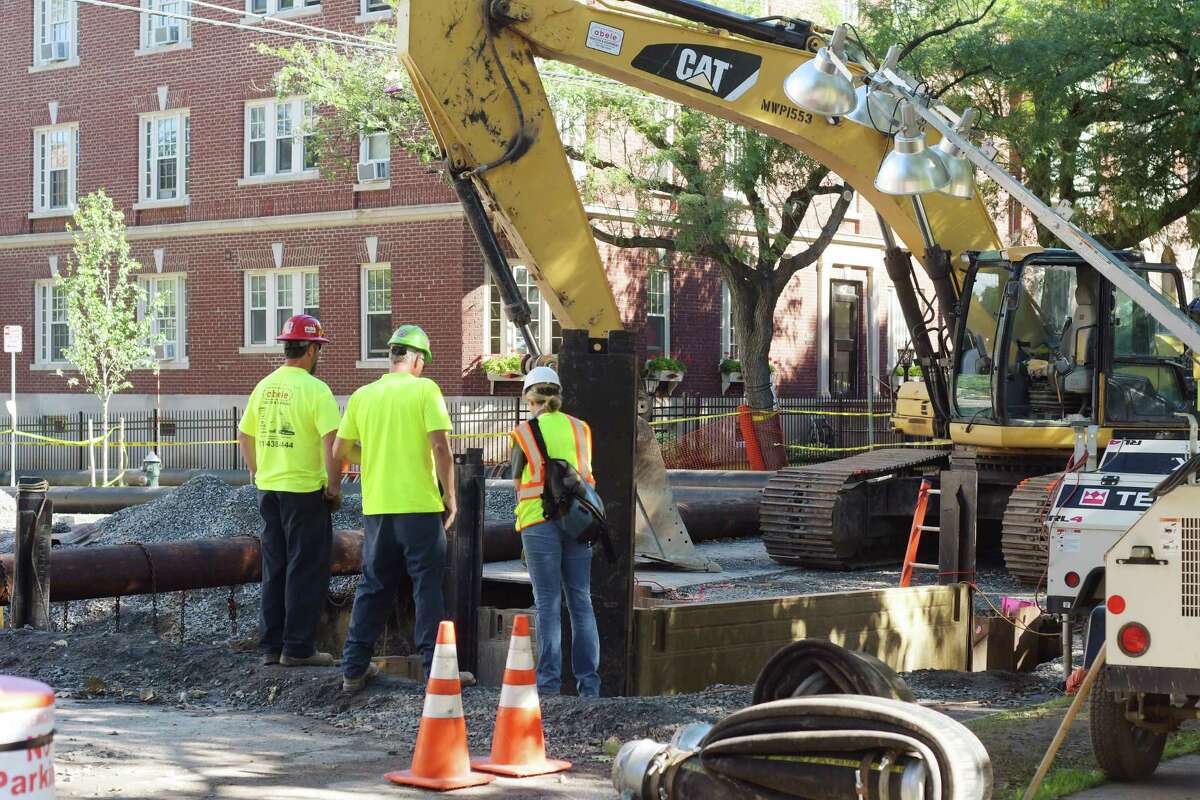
point(813, 429)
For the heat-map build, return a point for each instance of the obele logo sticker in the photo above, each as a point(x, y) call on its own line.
point(717, 70)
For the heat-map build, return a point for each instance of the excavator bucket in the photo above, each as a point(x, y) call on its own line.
point(661, 536)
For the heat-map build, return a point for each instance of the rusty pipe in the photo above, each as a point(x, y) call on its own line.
point(85, 573)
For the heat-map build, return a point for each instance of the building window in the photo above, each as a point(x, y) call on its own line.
point(503, 337)
point(280, 138)
point(56, 159)
point(273, 296)
point(50, 320)
point(658, 312)
point(376, 310)
point(374, 157)
point(374, 6)
point(280, 6)
point(159, 30)
point(55, 24)
point(166, 151)
point(170, 318)
point(845, 337)
point(729, 345)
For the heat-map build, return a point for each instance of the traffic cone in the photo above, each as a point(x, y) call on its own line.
point(440, 760)
point(518, 746)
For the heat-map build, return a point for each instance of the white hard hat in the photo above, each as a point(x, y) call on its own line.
point(539, 375)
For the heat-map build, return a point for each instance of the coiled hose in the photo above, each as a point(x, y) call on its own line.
point(816, 666)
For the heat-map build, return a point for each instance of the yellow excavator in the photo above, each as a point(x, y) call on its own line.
point(1019, 346)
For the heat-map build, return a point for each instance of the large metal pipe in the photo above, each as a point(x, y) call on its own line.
point(83, 573)
point(133, 476)
point(707, 513)
point(97, 500)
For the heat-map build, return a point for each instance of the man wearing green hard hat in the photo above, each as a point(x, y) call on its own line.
point(398, 429)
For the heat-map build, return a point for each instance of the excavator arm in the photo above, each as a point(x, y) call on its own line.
point(473, 66)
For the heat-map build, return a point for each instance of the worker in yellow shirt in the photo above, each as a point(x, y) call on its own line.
point(286, 437)
point(398, 429)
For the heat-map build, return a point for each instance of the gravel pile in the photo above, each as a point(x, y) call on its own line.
point(137, 667)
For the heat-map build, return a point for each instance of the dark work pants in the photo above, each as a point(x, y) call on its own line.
point(393, 544)
point(296, 540)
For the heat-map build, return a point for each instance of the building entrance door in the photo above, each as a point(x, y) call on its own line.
point(845, 337)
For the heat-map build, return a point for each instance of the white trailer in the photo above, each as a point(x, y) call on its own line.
point(1150, 683)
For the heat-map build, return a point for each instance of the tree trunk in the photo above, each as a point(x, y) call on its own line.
point(104, 442)
point(754, 323)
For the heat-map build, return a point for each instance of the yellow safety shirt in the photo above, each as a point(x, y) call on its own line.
point(392, 419)
point(288, 414)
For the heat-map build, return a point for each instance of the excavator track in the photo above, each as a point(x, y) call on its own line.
point(1023, 537)
point(818, 515)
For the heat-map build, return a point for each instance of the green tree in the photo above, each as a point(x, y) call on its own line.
point(109, 338)
point(1095, 102)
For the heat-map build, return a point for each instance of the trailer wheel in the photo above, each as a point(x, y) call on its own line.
point(1124, 751)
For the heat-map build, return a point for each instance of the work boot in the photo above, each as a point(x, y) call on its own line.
point(317, 659)
point(269, 659)
point(353, 685)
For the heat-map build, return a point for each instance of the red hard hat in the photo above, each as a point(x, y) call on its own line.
point(302, 328)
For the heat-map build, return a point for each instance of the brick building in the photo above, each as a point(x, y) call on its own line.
point(236, 229)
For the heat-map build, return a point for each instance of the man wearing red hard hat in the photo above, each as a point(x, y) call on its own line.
point(286, 437)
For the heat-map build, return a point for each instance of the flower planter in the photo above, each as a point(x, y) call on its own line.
point(729, 379)
point(665, 381)
point(503, 377)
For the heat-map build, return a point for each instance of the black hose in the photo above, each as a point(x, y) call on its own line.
point(816, 666)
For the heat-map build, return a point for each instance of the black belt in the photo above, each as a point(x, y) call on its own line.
point(28, 744)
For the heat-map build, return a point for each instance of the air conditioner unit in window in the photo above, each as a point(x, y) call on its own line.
point(373, 171)
point(166, 35)
point(56, 51)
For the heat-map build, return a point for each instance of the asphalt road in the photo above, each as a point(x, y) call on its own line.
point(121, 750)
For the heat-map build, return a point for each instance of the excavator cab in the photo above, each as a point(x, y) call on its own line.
point(1044, 341)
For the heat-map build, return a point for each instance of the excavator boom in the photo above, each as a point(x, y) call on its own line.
point(473, 65)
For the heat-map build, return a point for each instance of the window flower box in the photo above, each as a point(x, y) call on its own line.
point(503, 369)
point(663, 375)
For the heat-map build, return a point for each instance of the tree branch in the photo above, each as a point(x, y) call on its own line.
point(964, 77)
point(959, 22)
point(795, 207)
point(616, 240)
point(791, 265)
point(665, 187)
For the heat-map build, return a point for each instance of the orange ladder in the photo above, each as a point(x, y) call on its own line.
point(914, 535)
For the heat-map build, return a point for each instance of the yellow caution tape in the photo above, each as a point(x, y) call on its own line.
point(700, 418)
point(835, 413)
point(819, 449)
point(50, 440)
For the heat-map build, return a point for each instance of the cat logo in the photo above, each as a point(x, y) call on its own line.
point(703, 71)
point(719, 71)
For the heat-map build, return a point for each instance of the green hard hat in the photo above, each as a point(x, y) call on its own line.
point(412, 336)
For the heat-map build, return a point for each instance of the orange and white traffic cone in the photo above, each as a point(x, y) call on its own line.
point(518, 746)
point(441, 760)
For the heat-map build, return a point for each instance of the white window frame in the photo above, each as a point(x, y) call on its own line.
point(660, 272)
point(176, 356)
point(299, 115)
point(511, 340)
point(43, 293)
point(365, 357)
point(368, 14)
point(272, 308)
point(729, 346)
point(381, 177)
point(148, 161)
point(280, 8)
point(151, 23)
point(42, 35)
point(41, 170)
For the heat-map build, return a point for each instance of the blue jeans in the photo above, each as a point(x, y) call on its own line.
point(557, 564)
point(395, 543)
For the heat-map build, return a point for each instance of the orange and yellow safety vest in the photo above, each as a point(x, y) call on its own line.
point(567, 438)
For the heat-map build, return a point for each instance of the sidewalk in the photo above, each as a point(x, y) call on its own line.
point(1177, 779)
point(119, 750)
